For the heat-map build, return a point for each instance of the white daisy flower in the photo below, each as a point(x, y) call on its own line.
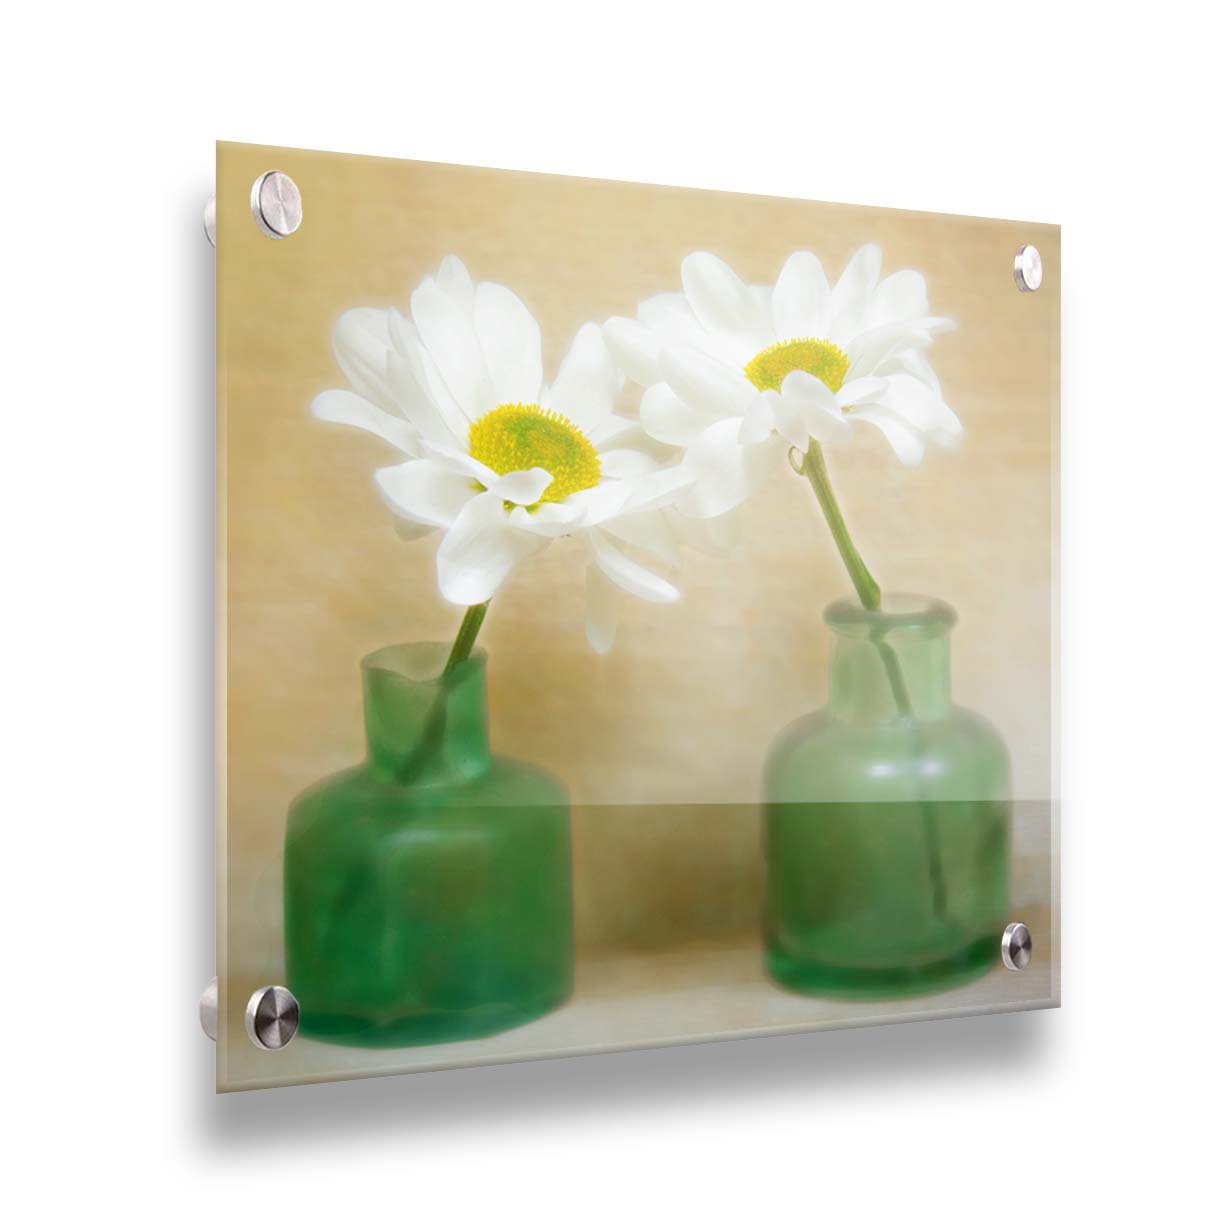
point(499, 462)
point(737, 374)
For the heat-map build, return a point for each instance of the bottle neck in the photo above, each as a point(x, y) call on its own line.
point(423, 728)
point(890, 664)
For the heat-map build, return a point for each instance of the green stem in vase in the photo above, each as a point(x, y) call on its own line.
point(435, 725)
point(814, 468)
point(465, 639)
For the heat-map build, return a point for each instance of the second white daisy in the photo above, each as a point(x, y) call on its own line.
point(737, 374)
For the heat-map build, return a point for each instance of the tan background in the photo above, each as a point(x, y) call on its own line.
point(682, 712)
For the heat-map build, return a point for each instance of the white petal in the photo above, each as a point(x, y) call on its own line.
point(587, 383)
point(459, 461)
point(671, 318)
point(915, 362)
point(405, 339)
point(480, 550)
point(549, 519)
point(604, 501)
point(450, 339)
point(791, 422)
point(724, 305)
point(759, 419)
point(852, 293)
point(635, 348)
point(522, 488)
point(723, 472)
point(860, 391)
point(361, 342)
point(913, 402)
point(654, 531)
point(621, 463)
point(410, 349)
point(762, 295)
point(456, 282)
point(907, 445)
point(707, 385)
point(905, 353)
point(345, 408)
point(603, 609)
point(800, 302)
point(870, 349)
point(898, 298)
point(510, 340)
point(659, 488)
point(816, 405)
point(628, 574)
point(417, 404)
point(408, 529)
point(616, 430)
point(668, 418)
point(424, 492)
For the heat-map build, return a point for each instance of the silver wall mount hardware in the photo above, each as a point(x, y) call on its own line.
point(1027, 269)
point(272, 1016)
point(208, 1010)
point(1017, 946)
point(276, 204)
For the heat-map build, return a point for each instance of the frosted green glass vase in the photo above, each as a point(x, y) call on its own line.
point(887, 820)
point(428, 890)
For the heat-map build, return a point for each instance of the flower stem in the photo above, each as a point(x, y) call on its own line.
point(434, 730)
point(816, 472)
point(465, 639)
point(868, 589)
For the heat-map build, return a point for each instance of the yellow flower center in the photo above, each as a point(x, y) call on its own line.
point(515, 437)
point(820, 358)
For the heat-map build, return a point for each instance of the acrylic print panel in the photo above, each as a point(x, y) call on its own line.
point(685, 780)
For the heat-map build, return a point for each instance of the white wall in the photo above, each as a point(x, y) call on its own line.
point(1108, 124)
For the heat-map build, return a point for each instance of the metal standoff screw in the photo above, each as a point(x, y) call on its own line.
point(1017, 946)
point(1027, 269)
point(210, 220)
point(208, 1010)
point(276, 204)
point(272, 1018)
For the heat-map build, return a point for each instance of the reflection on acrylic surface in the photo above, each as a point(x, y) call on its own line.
point(444, 894)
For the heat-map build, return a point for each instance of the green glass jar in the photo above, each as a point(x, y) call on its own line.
point(887, 820)
point(428, 891)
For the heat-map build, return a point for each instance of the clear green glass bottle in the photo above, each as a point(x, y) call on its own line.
point(428, 891)
point(887, 823)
